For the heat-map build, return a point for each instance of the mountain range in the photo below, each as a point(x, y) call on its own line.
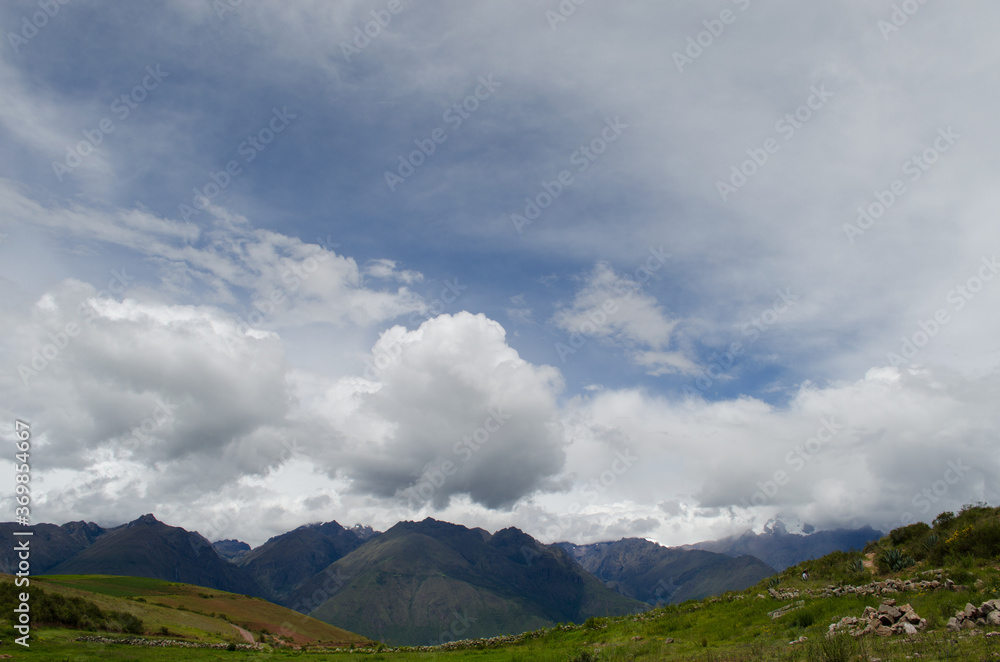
point(423, 582)
point(780, 549)
point(647, 571)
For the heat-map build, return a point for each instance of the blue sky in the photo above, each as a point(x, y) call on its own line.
point(697, 289)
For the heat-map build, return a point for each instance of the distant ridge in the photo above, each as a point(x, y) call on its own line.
point(646, 571)
point(231, 550)
point(51, 544)
point(780, 549)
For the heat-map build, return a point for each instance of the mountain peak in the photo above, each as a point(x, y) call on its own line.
point(363, 532)
point(145, 519)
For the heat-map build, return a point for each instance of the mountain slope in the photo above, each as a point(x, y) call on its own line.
point(50, 544)
point(430, 581)
point(283, 562)
point(780, 549)
point(193, 612)
point(149, 548)
point(646, 571)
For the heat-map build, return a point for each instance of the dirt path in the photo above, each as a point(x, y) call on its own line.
point(247, 636)
point(869, 561)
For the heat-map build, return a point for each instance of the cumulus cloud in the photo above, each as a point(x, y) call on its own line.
point(450, 408)
point(156, 383)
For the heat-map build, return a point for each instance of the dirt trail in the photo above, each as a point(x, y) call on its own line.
point(247, 636)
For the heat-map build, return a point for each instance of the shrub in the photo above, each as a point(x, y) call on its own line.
point(592, 624)
point(905, 534)
point(943, 520)
point(803, 618)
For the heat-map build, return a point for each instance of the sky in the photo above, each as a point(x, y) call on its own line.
point(590, 269)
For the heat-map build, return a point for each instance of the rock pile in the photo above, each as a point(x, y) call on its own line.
point(887, 620)
point(987, 613)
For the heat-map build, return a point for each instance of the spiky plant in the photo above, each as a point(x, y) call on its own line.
point(895, 560)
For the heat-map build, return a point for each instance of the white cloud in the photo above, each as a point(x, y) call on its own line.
point(860, 452)
point(450, 409)
point(613, 308)
point(386, 270)
point(288, 281)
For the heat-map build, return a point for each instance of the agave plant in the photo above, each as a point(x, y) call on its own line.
point(857, 566)
point(930, 541)
point(895, 560)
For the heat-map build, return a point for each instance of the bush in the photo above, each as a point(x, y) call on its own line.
point(802, 618)
point(129, 623)
point(905, 534)
point(592, 624)
point(943, 520)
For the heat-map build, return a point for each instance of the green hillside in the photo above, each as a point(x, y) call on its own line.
point(430, 581)
point(180, 611)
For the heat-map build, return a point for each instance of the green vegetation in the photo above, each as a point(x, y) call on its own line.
point(734, 627)
point(52, 609)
